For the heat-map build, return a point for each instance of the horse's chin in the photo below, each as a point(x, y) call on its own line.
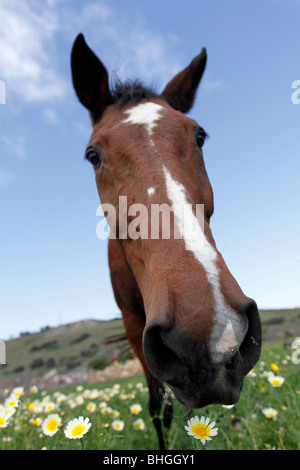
point(198, 399)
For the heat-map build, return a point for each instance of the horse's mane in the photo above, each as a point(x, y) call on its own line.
point(130, 91)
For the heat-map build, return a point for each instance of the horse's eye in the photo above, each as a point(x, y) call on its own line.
point(200, 138)
point(93, 157)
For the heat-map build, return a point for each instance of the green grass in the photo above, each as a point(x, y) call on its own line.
point(242, 427)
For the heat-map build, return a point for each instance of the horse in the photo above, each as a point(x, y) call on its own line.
point(185, 316)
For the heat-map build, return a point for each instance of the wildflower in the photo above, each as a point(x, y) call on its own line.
point(4, 419)
point(200, 428)
point(79, 400)
point(36, 421)
point(276, 380)
point(50, 406)
point(51, 424)
point(135, 409)
point(139, 424)
point(91, 407)
point(61, 398)
point(269, 412)
point(10, 411)
point(228, 406)
point(106, 411)
point(17, 392)
point(77, 427)
point(252, 373)
point(12, 402)
point(118, 425)
point(34, 389)
point(267, 373)
point(274, 367)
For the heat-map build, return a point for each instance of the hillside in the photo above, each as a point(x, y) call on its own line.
point(77, 350)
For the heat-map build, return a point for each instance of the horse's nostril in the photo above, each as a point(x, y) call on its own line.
point(163, 362)
point(234, 361)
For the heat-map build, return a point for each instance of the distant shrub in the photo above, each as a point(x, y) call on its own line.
point(88, 352)
point(274, 321)
point(48, 345)
point(125, 356)
point(98, 363)
point(45, 328)
point(37, 363)
point(80, 338)
point(50, 362)
point(19, 369)
point(72, 362)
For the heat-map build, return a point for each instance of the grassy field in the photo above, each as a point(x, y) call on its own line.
point(244, 426)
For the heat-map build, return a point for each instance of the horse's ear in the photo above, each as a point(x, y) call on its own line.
point(90, 78)
point(180, 92)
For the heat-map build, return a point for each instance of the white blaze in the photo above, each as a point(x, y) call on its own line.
point(227, 340)
point(223, 332)
point(151, 191)
point(145, 113)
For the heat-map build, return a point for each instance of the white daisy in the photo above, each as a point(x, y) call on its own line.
point(51, 424)
point(118, 425)
point(77, 427)
point(139, 424)
point(269, 412)
point(276, 380)
point(200, 428)
point(136, 409)
point(4, 418)
point(17, 392)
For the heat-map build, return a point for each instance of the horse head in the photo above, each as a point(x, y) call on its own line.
point(201, 333)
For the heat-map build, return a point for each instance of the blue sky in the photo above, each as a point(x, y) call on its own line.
point(53, 268)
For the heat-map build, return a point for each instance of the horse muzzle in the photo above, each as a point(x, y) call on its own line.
point(189, 368)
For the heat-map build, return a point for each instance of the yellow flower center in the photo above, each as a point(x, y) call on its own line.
point(52, 425)
point(200, 430)
point(2, 421)
point(117, 425)
point(276, 382)
point(12, 403)
point(78, 430)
